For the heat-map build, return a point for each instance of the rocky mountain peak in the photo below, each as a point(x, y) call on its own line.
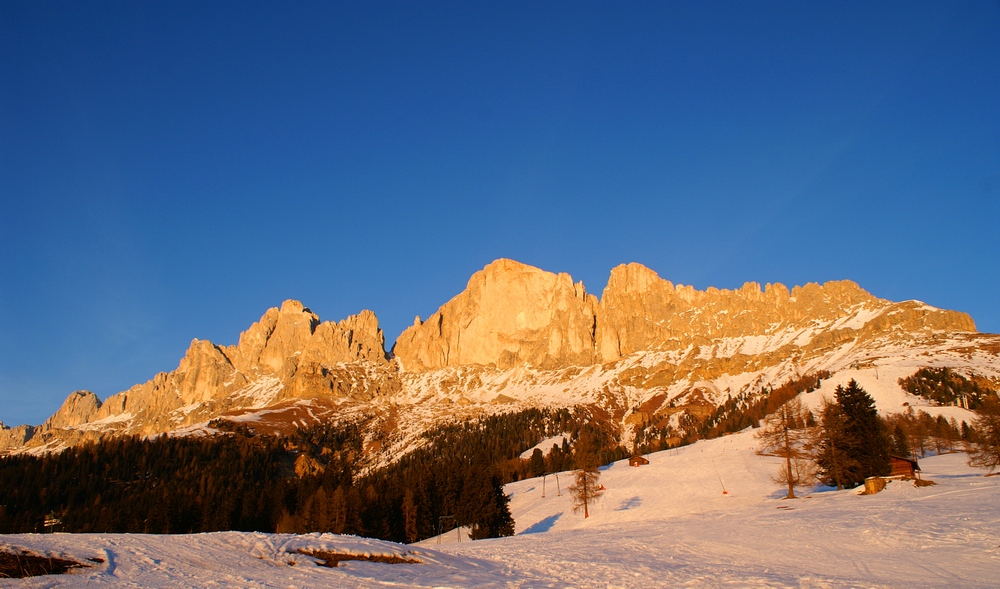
point(77, 409)
point(278, 335)
point(292, 331)
point(641, 311)
point(633, 278)
point(510, 313)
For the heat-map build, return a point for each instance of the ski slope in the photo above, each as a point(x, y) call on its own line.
point(667, 524)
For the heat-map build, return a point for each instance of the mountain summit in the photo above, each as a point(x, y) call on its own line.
point(510, 313)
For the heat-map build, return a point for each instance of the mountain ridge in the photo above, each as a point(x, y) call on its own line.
point(518, 334)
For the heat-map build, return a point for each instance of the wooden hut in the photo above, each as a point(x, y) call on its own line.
point(637, 461)
point(903, 467)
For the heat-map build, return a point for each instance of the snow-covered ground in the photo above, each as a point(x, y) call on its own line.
point(546, 445)
point(667, 524)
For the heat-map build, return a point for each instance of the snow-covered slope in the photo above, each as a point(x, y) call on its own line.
point(667, 524)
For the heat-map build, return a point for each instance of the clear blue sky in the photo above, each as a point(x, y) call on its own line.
point(169, 170)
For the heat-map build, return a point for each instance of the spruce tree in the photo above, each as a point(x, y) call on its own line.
point(855, 442)
point(833, 459)
point(537, 464)
point(492, 517)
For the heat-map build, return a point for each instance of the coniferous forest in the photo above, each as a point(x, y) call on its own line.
point(748, 409)
point(946, 387)
point(320, 480)
point(248, 482)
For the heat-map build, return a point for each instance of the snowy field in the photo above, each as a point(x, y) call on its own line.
point(667, 524)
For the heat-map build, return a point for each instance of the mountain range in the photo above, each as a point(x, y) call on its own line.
point(648, 356)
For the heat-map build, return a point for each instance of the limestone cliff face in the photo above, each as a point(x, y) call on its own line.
point(204, 374)
point(510, 313)
point(78, 408)
point(289, 350)
point(641, 311)
point(14, 437)
point(911, 317)
point(293, 335)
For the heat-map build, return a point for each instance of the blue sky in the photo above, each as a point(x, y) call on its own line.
point(169, 170)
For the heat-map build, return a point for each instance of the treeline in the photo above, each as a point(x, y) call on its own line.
point(248, 482)
point(946, 387)
point(735, 414)
point(168, 484)
point(163, 485)
point(914, 434)
point(455, 478)
point(749, 408)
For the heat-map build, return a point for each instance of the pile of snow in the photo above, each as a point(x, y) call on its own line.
point(248, 560)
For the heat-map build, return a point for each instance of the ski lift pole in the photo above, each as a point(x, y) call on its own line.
point(441, 520)
point(724, 491)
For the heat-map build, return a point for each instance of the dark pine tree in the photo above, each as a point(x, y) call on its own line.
point(537, 464)
point(493, 518)
point(856, 442)
point(832, 459)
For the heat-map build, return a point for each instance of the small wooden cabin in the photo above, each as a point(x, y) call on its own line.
point(637, 461)
point(903, 467)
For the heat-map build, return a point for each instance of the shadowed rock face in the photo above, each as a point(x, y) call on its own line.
point(509, 314)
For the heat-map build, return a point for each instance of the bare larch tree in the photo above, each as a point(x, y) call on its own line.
point(985, 453)
point(787, 433)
